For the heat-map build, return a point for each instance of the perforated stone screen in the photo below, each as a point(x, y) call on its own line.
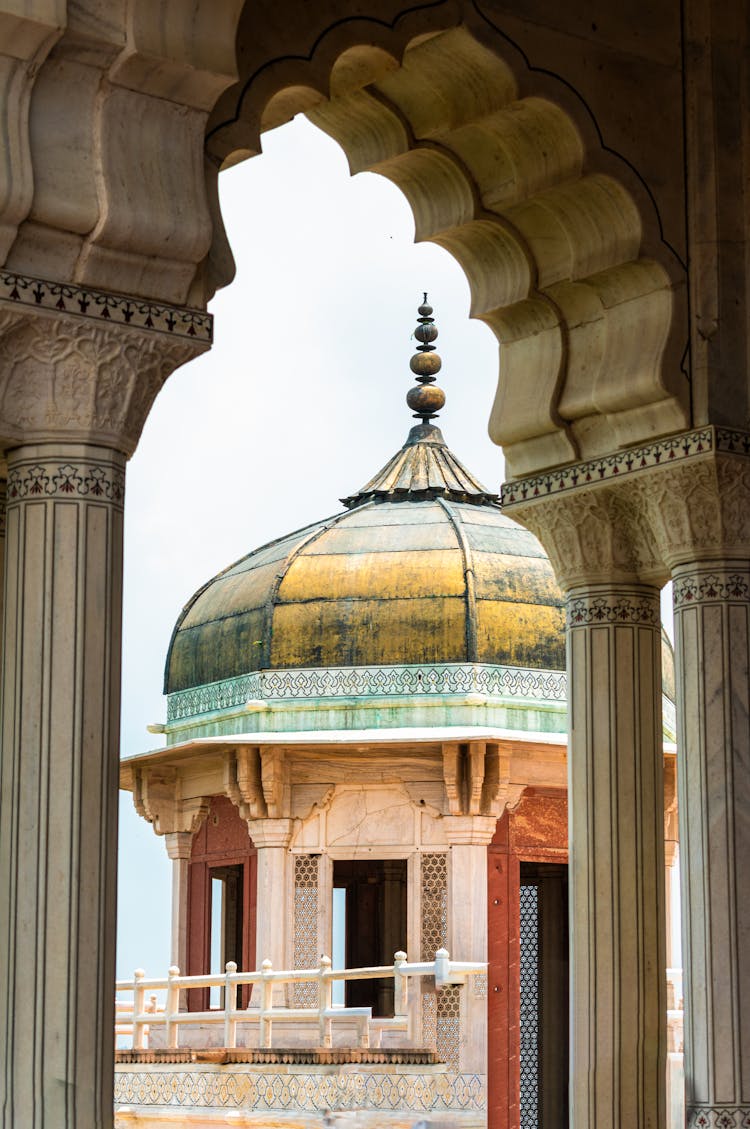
point(306, 898)
point(441, 1014)
point(529, 1025)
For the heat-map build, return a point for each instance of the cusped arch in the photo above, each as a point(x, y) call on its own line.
point(559, 241)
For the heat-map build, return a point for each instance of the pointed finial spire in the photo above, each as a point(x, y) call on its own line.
point(426, 399)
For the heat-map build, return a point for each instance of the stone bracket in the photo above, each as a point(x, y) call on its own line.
point(157, 797)
point(477, 779)
point(242, 781)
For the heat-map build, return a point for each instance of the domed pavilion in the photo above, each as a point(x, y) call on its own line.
point(365, 751)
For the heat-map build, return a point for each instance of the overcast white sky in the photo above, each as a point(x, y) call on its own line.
point(300, 401)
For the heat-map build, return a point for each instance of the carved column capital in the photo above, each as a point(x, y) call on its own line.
point(700, 509)
point(179, 844)
point(77, 380)
point(638, 514)
point(469, 830)
point(271, 832)
point(594, 534)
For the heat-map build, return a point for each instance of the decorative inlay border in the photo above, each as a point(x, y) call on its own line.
point(585, 611)
point(368, 681)
point(310, 1092)
point(718, 1117)
point(715, 586)
point(79, 479)
point(663, 452)
point(102, 305)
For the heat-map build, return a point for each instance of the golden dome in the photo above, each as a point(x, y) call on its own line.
point(422, 568)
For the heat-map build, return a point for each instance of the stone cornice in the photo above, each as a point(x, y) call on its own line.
point(104, 307)
point(632, 461)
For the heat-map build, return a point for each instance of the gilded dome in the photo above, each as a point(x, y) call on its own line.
point(421, 568)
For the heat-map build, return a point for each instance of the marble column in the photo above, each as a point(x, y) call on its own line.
point(469, 837)
point(271, 838)
point(712, 649)
point(74, 396)
point(700, 511)
point(606, 564)
point(617, 913)
point(179, 845)
point(58, 815)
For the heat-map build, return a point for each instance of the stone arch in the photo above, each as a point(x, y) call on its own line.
point(503, 167)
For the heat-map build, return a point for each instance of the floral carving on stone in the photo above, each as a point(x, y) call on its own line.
point(81, 381)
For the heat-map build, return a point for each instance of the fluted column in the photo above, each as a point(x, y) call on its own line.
point(58, 820)
point(712, 643)
point(74, 397)
point(618, 992)
point(603, 561)
point(700, 511)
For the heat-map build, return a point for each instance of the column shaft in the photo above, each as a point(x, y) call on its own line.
point(618, 996)
point(179, 845)
point(712, 651)
point(58, 806)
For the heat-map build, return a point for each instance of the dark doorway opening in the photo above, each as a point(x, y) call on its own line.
point(227, 892)
point(370, 909)
point(544, 996)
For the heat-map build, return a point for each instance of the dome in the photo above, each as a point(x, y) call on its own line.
point(421, 568)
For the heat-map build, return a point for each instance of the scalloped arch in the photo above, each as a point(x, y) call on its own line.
point(504, 168)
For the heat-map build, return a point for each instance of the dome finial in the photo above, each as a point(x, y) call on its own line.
point(426, 399)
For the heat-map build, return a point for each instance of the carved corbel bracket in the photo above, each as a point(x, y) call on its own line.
point(242, 781)
point(476, 776)
point(158, 798)
point(275, 781)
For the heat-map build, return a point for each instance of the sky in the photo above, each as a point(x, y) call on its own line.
point(300, 401)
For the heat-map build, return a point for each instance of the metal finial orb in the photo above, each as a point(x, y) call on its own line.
point(425, 400)
point(426, 333)
point(425, 364)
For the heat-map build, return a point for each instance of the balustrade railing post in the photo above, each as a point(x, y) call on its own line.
point(325, 1002)
point(139, 1001)
point(442, 967)
point(400, 983)
point(171, 1029)
point(230, 1006)
point(266, 1003)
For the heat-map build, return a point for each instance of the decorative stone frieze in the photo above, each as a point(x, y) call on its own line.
point(20, 291)
point(372, 682)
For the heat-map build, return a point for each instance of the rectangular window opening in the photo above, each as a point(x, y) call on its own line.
point(369, 926)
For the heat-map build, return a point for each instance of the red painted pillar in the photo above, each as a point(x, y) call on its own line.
point(503, 988)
